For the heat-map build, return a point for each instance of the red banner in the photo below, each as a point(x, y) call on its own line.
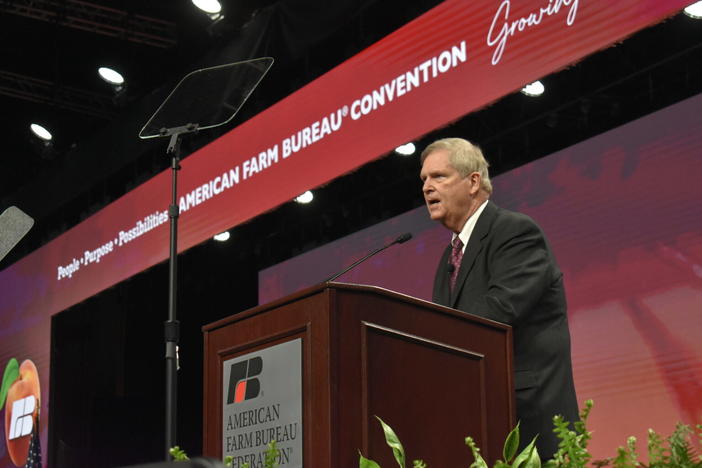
point(454, 59)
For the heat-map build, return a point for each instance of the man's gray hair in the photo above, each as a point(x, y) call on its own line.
point(465, 157)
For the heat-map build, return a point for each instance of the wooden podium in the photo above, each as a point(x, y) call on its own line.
point(434, 374)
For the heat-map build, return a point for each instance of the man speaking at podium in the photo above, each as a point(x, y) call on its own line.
point(500, 266)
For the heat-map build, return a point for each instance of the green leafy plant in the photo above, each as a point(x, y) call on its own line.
point(393, 442)
point(626, 456)
point(271, 458)
point(675, 451)
point(572, 446)
point(527, 458)
point(178, 454)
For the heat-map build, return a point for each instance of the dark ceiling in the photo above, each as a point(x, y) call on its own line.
point(52, 49)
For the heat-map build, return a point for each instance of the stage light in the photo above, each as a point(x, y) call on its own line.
point(534, 89)
point(212, 7)
point(407, 149)
point(222, 236)
point(41, 132)
point(694, 10)
point(116, 80)
point(305, 197)
point(111, 76)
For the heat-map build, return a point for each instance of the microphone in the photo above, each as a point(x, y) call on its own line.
point(401, 239)
point(450, 268)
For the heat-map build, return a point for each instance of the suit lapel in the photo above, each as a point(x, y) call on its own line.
point(441, 294)
point(475, 245)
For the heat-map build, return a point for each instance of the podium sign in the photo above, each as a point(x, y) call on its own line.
point(262, 393)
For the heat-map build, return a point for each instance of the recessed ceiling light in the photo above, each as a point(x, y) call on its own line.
point(534, 89)
point(305, 197)
point(211, 7)
point(111, 76)
point(694, 10)
point(222, 236)
point(407, 149)
point(41, 132)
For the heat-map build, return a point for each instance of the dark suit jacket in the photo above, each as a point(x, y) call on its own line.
point(508, 274)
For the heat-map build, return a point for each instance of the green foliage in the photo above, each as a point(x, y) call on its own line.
point(8, 378)
point(272, 455)
point(178, 454)
point(676, 451)
point(656, 454)
point(364, 462)
point(527, 458)
point(512, 443)
point(572, 446)
point(271, 460)
point(626, 456)
point(478, 461)
point(394, 443)
point(680, 452)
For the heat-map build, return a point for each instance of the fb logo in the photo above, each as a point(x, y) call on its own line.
point(21, 419)
point(242, 384)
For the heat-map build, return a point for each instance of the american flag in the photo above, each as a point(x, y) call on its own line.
point(34, 455)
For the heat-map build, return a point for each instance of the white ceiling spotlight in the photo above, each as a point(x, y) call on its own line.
point(112, 76)
point(213, 8)
point(222, 236)
point(305, 197)
point(534, 89)
point(694, 10)
point(41, 132)
point(119, 86)
point(407, 149)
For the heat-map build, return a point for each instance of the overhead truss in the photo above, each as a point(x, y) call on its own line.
point(46, 92)
point(97, 19)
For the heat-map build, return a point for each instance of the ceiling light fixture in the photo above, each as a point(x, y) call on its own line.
point(534, 89)
point(41, 132)
point(407, 149)
point(694, 10)
point(212, 7)
point(305, 197)
point(222, 236)
point(111, 76)
point(116, 80)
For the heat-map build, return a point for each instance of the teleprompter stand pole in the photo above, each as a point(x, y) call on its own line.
point(211, 97)
point(171, 326)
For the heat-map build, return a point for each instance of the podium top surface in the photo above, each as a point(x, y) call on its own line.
point(351, 288)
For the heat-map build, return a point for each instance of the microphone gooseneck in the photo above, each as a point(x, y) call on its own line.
point(401, 239)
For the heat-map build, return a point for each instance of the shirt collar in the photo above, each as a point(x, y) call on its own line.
point(467, 230)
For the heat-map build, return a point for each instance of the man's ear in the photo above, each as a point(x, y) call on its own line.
point(475, 181)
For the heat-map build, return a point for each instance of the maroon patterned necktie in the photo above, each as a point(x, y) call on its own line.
point(455, 259)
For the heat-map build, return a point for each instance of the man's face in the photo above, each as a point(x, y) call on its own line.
point(446, 193)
